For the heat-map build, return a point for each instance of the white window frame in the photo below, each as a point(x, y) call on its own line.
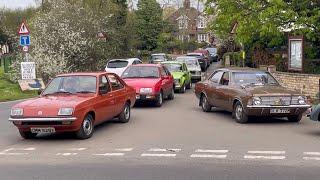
point(202, 22)
point(202, 37)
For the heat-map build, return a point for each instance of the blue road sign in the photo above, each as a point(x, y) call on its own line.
point(25, 40)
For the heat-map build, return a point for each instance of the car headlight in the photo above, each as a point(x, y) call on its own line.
point(145, 90)
point(65, 111)
point(256, 101)
point(16, 112)
point(301, 100)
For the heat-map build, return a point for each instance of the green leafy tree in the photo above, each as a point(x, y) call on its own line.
point(148, 24)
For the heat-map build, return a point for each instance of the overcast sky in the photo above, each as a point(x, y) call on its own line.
point(14, 4)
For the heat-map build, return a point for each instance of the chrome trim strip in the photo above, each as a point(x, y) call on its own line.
point(43, 119)
point(290, 106)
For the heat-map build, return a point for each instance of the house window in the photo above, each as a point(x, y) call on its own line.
point(184, 37)
point(201, 23)
point(202, 37)
point(183, 22)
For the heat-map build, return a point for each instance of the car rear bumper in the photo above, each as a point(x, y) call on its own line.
point(291, 110)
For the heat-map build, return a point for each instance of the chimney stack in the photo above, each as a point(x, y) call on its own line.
point(186, 4)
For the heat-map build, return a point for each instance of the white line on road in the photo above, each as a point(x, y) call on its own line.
point(110, 154)
point(211, 151)
point(158, 155)
point(66, 154)
point(264, 157)
point(77, 149)
point(266, 152)
point(312, 153)
point(221, 156)
point(124, 149)
point(164, 150)
point(9, 151)
point(312, 158)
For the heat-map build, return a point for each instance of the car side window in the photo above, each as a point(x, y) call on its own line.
point(104, 84)
point(215, 78)
point(137, 62)
point(163, 72)
point(225, 79)
point(115, 82)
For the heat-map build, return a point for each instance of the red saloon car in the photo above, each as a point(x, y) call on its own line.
point(152, 82)
point(75, 103)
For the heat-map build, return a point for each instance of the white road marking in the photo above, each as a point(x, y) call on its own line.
point(110, 154)
point(211, 151)
point(77, 149)
point(312, 153)
point(264, 157)
point(9, 151)
point(312, 158)
point(266, 152)
point(164, 150)
point(158, 155)
point(66, 154)
point(124, 149)
point(220, 156)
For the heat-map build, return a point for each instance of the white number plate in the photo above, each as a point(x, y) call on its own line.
point(43, 130)
point(279, 111)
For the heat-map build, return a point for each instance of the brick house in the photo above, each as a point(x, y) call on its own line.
point(190, 23)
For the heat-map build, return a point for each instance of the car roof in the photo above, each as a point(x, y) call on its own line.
point(83, 74)
point(172, 62)
point(187, 57)
point(128, 60)
point(195, 53)
point(148, 65)
point(241, 69)
point(158, 54)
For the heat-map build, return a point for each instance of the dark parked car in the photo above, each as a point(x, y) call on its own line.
point(202, 60)
point(248, 93)
point(158, 58)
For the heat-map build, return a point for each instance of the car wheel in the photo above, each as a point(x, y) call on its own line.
point(206, 107)
point(183, 88)
point(239, 114)
point(171, 95)
point(27, 134)
point(189, 85)
point(295, 118)
point(86, 129)
point(124, 116)
point(159, 100)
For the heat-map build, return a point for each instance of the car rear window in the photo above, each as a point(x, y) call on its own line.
point(117, 64)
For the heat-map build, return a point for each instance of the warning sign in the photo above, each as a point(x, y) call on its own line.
point(23, 29)
point(28, 70)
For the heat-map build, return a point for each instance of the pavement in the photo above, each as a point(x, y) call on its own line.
point(176, 141)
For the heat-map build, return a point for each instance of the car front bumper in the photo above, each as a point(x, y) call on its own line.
point(60, 124)
point(146, 97)
point(276, 111)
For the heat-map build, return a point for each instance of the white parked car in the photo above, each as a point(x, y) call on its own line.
point(118, 66)
point(193, 66)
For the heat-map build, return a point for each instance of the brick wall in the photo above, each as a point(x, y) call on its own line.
point(307, 83)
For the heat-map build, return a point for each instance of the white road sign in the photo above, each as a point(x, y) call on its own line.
point(23, 29)
point(28, 70)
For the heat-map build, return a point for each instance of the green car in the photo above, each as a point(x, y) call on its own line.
point(180, 73)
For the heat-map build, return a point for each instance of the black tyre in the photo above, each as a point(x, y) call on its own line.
point(183, 88)
point(206, 107)
point(125, 115)
point(87, 128)
point(27, 134)
point(171, 95)
point(239, 114)
point(296, 118)
point(189, 85)
point(159, 100)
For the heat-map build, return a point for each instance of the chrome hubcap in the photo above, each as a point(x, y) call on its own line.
point(127, 112)
point(204, 102)
point(87, 126)
point(239, 112)
point(160, 98)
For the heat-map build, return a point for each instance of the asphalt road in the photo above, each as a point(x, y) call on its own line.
point(176, 141)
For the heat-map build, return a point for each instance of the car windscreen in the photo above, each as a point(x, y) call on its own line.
point(117, 64)
point(71, 85)
point(157, 58)
point(173, 67)
point(141, 72)
point(253, 78)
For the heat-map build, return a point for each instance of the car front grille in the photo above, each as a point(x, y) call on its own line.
point(42, 123)
point(276, 101)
